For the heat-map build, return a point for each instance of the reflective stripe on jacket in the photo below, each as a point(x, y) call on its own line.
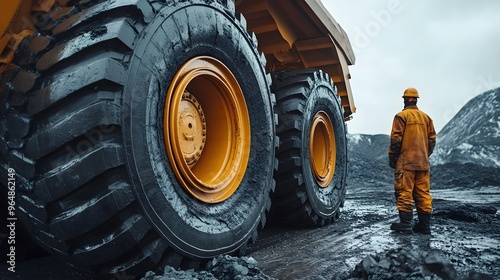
point(412, 139)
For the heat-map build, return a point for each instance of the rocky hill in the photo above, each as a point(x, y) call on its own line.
point(368, 159)
point(473, 135)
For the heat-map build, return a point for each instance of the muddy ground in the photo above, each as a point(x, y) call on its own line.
point(465, 240)
point(464, 244)
point(465, 234)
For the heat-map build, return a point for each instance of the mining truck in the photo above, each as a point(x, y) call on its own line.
point(136, 134)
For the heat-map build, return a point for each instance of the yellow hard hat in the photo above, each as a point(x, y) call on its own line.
point(411, 92)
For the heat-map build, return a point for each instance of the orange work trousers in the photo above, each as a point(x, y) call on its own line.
point(412, 186)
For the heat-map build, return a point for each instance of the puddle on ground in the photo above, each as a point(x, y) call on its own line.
point(459, 243)
point(364, 229)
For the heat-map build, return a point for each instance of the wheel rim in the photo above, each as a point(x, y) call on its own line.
point(322, 148)
point(207, 129)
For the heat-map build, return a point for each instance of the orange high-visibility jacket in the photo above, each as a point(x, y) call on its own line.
point(413, 139)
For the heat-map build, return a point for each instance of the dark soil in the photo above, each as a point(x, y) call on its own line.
point(464, 244)
point(465, 240)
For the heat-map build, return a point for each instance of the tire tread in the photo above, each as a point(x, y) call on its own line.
point(291, 203)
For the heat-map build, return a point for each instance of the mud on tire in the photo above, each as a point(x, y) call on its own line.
point(86, 136)
point(311, 177)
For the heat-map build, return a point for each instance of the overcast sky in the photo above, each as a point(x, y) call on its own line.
point(448, 49)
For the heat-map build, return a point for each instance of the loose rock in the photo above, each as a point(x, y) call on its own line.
point(407, 264)
point(220, 268)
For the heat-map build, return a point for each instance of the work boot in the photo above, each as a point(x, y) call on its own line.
point(405, 222)
point(424, 223)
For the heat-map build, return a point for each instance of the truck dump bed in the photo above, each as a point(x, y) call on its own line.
point(302, 34)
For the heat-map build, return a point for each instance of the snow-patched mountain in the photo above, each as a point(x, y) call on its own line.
point(467, 151)
point(369, 164)
point(473, 135)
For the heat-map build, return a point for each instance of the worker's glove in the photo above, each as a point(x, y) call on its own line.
point(392, 162)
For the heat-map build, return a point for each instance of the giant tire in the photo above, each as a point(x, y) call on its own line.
point(103, 177)
point(312, 170)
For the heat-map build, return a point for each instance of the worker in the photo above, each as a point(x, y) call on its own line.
point(413, 139)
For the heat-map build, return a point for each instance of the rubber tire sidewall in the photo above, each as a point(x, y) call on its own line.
point(325, 201)
point(195, 229)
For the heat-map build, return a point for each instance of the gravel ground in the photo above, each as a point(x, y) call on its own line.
point(464, 244)
point(465, 239)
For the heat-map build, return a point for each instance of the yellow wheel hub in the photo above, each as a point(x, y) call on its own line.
point(192, 128)
point(322, 149)
point(207, 129)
